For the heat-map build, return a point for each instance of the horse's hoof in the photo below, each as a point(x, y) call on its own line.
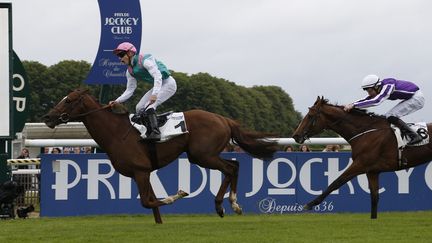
point(307, 207)
point(220, 211)
point(237, 209)
point(182, 193)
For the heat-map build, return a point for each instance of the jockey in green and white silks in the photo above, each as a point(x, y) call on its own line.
point(145, 68)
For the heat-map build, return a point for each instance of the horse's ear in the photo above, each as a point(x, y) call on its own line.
point(82, 90)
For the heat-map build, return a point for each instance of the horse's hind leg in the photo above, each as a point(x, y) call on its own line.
point(233, 193)
point(227, 168)
point(220, 195)
point(373, 179)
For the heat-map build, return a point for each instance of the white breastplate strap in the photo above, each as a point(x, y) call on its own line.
point(362, 133)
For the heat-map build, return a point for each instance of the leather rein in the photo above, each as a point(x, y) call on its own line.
point(65, 117)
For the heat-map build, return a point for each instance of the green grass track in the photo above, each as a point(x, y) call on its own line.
point(317, 228)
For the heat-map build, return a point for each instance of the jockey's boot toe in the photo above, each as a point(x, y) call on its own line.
point(154, 136)
point(415, 138)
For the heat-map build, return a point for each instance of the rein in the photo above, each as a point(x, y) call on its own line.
point(357, 135)
point(65, 117)
point(316, 116)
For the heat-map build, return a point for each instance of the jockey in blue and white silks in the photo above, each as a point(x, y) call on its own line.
point(392, 89)
point(145, 68)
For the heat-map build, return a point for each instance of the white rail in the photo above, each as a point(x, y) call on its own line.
point(92, 143)
point(26, 172)
point(59, 142)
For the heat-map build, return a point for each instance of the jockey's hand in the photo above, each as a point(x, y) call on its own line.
point(153, 99)
point(112, 103)
point(348, 107)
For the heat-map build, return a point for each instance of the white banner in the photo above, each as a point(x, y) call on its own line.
point(4, 73)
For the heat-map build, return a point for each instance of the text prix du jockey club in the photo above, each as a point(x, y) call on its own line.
point(121, 23)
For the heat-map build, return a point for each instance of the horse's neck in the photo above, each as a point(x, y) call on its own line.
point(103, 125)
point(348, 125)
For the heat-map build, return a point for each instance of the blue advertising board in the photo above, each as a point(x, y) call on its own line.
point(120, 21)
point(88, 185)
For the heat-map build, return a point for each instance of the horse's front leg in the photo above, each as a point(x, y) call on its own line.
point(346, 176)
point(156, 213)
point(148, 197)
point(373, 179)
point(170, 199)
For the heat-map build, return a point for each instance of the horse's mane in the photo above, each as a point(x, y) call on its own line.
point(356, 111)
point(118, 109)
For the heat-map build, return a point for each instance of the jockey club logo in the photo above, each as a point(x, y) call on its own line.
point(121, 23)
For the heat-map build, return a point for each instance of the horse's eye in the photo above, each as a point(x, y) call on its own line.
point(67, 101)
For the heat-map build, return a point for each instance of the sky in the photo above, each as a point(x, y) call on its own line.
point(309, 48)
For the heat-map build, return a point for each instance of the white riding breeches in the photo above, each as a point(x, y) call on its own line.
point(406, 107)
point(168, 89)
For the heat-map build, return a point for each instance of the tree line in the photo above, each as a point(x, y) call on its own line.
point(262, 108)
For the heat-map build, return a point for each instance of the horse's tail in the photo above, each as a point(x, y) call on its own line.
point(254, 143)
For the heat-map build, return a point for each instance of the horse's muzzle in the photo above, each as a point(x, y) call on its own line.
point(49, 120)
point(299, 139)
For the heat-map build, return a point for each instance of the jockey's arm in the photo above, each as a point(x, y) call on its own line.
point(152, 68)
point(386, 91)
point(130, 89)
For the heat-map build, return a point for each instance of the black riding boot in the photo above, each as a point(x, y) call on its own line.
point(139, 118)
point(155, 133)
point(405, 129)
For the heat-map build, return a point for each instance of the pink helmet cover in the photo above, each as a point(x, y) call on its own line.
point(125, 46)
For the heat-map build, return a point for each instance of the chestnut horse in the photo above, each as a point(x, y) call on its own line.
point(207, 136)
point(373, 143)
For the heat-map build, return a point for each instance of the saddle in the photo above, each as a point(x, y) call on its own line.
point(420, 128)
point(402, 139)
point(161, 118)
point(171, 124)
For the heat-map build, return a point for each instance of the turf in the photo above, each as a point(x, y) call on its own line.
point(342, 227)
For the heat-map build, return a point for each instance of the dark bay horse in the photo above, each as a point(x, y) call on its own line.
point(373, 143)
point(208, 134)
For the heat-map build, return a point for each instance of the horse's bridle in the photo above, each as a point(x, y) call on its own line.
point(65, 117)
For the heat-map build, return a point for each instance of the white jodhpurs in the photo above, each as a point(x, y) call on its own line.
point(168, 89)
point(406, 107)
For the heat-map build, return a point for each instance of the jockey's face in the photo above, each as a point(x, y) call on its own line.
point(372, 92)
point(126, 58)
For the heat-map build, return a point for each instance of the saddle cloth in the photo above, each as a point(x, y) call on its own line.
point(175, 125)
point(420, 128)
